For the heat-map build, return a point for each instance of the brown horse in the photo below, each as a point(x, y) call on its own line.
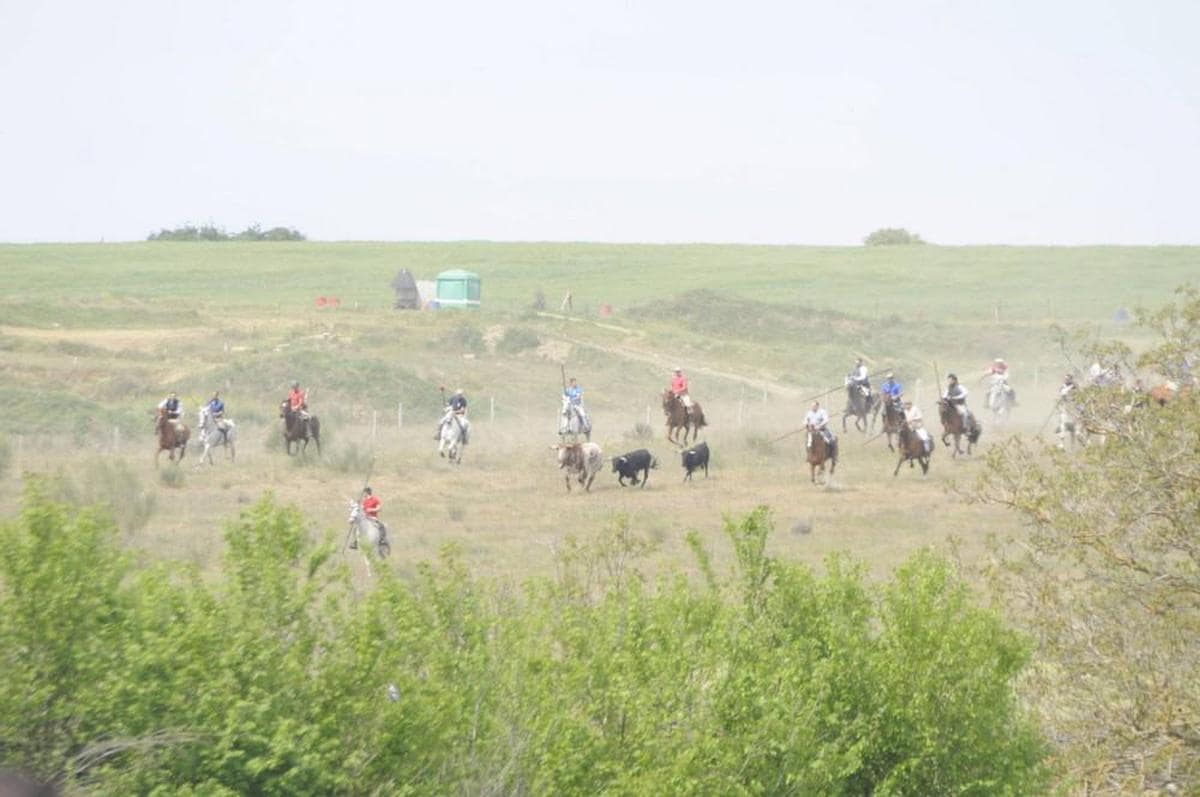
point(912, 449)
point(678, 417)
point(170, 437)
point(893, 417)
point(297, 429)
point(819, 452)
point(954, 425)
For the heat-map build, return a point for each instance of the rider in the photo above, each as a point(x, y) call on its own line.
point(171, 407)
point(858, 376)
point(370, 504)
point(216, 407)
point(891, 390)
point(573, 394)
point(679, 388)
point(455, 405)
point(998, 372)
point(298, 400)
point(916, 422)
point(956, 395)
point(817, 419)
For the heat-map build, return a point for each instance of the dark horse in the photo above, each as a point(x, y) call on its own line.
point(912, 449)
point(820, 452)
point(893, 417)
point(678, 417)
point(170, 437)
point(860, 407)
point(954, 425)
point(297, 429)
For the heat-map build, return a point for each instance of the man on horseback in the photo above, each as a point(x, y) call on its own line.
point(370, 504)
point(956, 396)
point(891, 390)
point(858, 378)
point(679, 388)
point(916, 422)
point(573, 395)
point(216, 411)
point(171, 408)
point(456, 405)
point(998, 373)
point(817, 420)
point(298, 401)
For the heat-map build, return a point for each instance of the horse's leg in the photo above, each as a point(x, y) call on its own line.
point(899, 462)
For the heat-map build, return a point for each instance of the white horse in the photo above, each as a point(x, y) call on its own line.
point(373, 531)
point(215, 433)
point(1000, 398)
point(573, 421)
point(453, 437)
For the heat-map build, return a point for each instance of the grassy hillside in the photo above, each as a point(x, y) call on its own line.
point(92, 336)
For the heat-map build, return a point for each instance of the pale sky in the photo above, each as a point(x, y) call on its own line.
point(1025, 122)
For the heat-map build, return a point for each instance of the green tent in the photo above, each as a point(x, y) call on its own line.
point(458, 288)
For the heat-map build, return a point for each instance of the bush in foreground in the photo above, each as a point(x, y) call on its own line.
point(276, 679)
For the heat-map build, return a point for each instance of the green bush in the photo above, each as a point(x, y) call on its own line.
point(276, 679)
point(463, 336)
point(892, 236)
point(6, 455)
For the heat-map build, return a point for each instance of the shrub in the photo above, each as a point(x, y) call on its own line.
point(641, 431)
point(6, 455)
point(171, 476)
point(892, 236)
point(464, 336)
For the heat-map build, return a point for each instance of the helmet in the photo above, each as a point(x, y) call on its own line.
point(677, 369)
point(890, 374)
point(367, 490)
point(952, 376)
point(458, 392)
point(295, 383)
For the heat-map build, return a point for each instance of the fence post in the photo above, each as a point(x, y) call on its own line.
point(400, 415)
point(917, 399)
point(374, 422)
point(116, 439)
point(492, 410)
point(647, 415)
point(741, 405)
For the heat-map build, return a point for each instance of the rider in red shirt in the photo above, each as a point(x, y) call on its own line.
point(679, 386)
point(298, 400)
point(370, 504)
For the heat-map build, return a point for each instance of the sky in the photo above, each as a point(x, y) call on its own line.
point(967, 122)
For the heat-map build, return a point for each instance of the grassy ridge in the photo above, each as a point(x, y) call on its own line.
point(1032, 284)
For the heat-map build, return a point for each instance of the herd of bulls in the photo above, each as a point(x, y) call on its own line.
point(582, 461)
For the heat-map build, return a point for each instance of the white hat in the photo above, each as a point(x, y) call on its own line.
point(677, 369)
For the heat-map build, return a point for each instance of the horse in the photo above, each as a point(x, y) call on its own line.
point(215, 433)
point(679, 417)
point(572, 421)
point(1000, 399)
point(298, 429)
point(170, 437)
point(863, 407)
point(912, 448)
point(893, 417)
point(452, 439)
point(373, 531)
point(819, 452)
point(955, 425)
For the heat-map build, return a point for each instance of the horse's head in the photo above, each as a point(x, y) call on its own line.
point(283, 408)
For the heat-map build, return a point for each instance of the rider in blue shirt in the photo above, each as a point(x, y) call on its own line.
point(216, 407)
point(891, 389)
point(574, 396)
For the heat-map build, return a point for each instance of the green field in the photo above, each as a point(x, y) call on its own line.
point(92, 336)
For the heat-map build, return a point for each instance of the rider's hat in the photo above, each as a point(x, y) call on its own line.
point(458, 392)
point(677, 369)
point(890, 374)
point(952, 376)
point(999, 359)
point(367, 490)
point(295, 383)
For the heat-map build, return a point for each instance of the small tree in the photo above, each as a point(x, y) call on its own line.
point(892, 236)
point(1108, 576)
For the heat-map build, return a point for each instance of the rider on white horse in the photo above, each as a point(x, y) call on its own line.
point(216, 410)
point(998, 373)
point(455, 406)
point(370, 503)
point(573, 398)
